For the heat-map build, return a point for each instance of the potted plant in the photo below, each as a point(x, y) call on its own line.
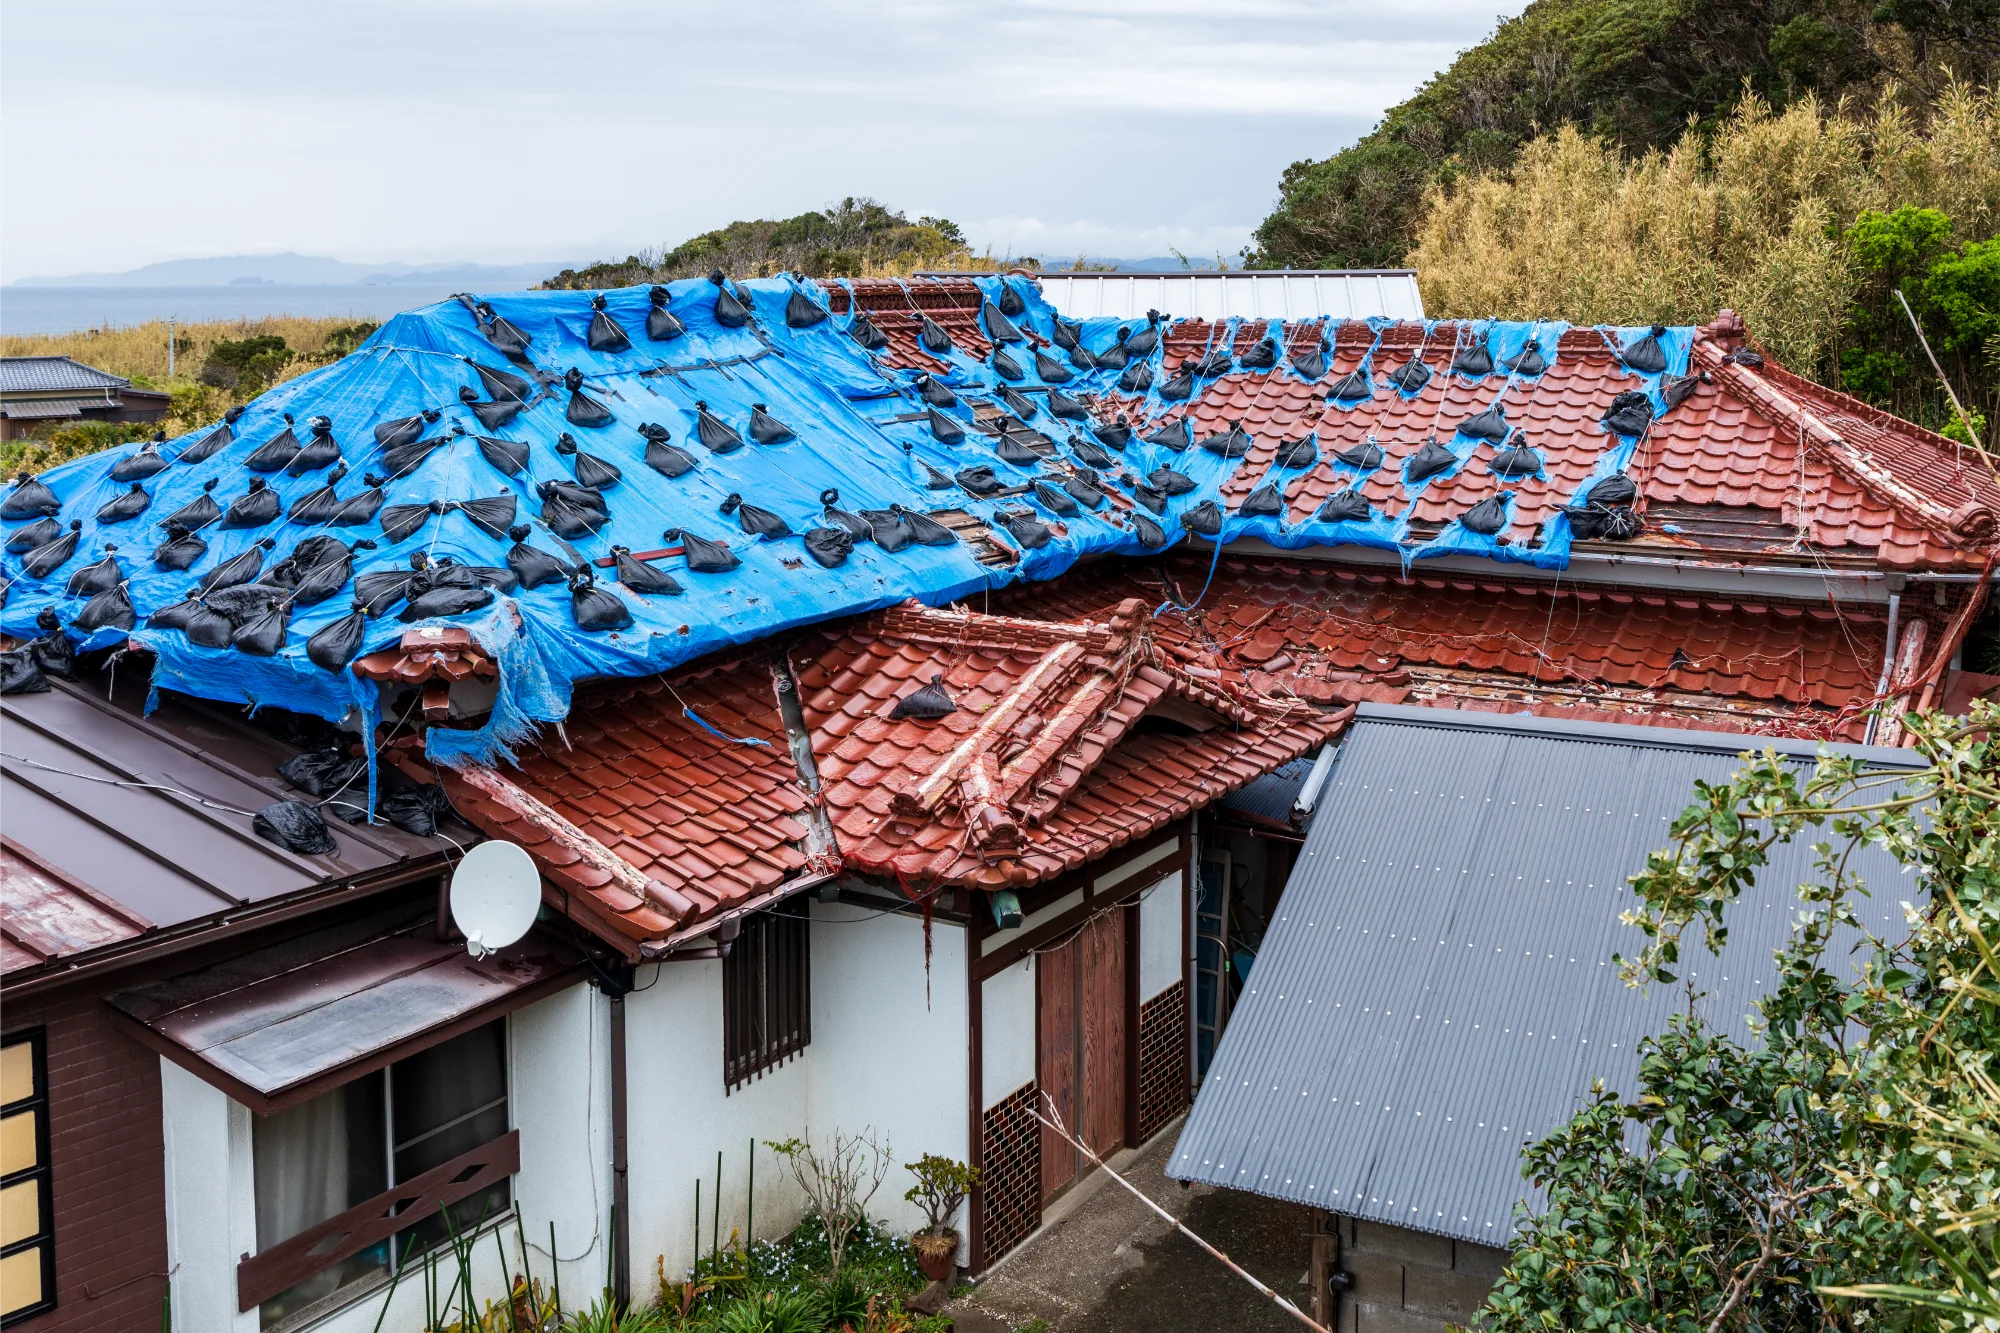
point(941, 1187)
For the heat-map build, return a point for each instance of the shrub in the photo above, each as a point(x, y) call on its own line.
point(246, 364)
point(941, 1187)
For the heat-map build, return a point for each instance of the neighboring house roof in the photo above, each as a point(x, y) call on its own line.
point(46, 409)
point(1242, 293)
point(121, 826)
point(46, 374)
point(1437, 987)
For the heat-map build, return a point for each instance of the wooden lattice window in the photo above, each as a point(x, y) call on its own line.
point(27, 1214)
point(766, 996)
point(1011, 1177)
point(1163, 1055)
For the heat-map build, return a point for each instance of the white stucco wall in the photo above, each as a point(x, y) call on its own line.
point(211, 1206)
point(1162, 939)
point(1007, 1031)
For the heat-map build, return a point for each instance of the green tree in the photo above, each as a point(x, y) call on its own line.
point(246, 365)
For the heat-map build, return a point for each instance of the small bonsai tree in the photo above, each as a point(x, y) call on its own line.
point(941, 1187)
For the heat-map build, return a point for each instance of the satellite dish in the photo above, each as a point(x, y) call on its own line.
point(495, 893)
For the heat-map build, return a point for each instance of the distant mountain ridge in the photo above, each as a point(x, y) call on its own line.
point(293, 269)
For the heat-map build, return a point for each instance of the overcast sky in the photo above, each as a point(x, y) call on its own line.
point(492, 130)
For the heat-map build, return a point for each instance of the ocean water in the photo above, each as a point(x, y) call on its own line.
point(64, 309)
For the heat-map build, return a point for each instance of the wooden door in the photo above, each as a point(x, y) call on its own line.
point(1081, 1053)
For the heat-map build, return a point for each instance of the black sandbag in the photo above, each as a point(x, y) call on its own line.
point(1006, 367)
point(1204, 519)
point(755, 521)
point(566, 516)
point(1169, 482)
point(604, 334)
point(853, 524)
point(445, 602)
point(802, 312)
point(1676, 391)
point(46, 559)
point(507, 456)
point(19, 674)
point(1411, 376)
point(1138, 377)
point(1151, 535)
point(1049, 369)
point(933, 336)
point(502, 385)
point(1017, 402)
point(668, 460)
point(110, 609)
point(639, 576)
point(407, 458)
point(252, 509)
point(491, 514)
point(583, 410)
point(1267, 501)
point(1066, 333)
point(1115, 436)
point(322, 577)
point(662, 324)
point(175, 616)
point(1011, 304)
point(1080, 357)
point(240, 568)
point(51, 649)
point(715, 434)
point(1217, 362)
point(1024, 527)
point(30, 498)
point(926, 703)
point(212, 443)
point(730, 312)
point(276, 452)
point(502, 332)
point(263, 634)
point(1352, 387)
point(935, 391)
point(359, 509)
point(1232, 443)
point(1621, 524)
point(294, 826)
point(1516, 461)
point(924, 529)
point(126, 507)
point(1175, 435)
point(1528, 361)
point(1629, 414)
point(1646, 355)
point(829, 546)
point(1311, 362)
point(1055, 500)
point(1090, 453)
point(139, 466)
point(1179, 386)
point(979, 480)
point(1429, 461)
point(943, 429)
point(307, 555)
point(1115, 356)
point(999, 328)
point(1474, 360)
point(1083, 491)
point(39, 533)
point(415, 810)
point(208, 627)
point(491, 415)
point(334, 646)
point(589, 469)
point(767, 429)
point(1616, 489)
point(703, 555)
point(320, 450)
point(180, 550)
point(1488, 516)
point(496, 577)
point(1346, 506)
point(1261, 357)
point(1152, 497)
point(323, 773)
point(887, 529)
point(1366, 455)
point(399, 521)
point(1145, 340)
point(1490, 424)
point(1299, 453)
point(864, 332)
point(935, 480)
point(531, 564)
point(1586, 521)
point(1012, 450)
point(96, 576)
point(379, 589)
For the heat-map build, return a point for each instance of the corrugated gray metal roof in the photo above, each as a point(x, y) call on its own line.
point(1437, 988)
point(34, 374)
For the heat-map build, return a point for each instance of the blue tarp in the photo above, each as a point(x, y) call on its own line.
point(841, 403)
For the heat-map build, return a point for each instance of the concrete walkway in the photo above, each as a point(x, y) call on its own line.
point(1104, 1263)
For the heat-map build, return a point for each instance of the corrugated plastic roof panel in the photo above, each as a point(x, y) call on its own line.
point(1342, 293)
point(1437, 989)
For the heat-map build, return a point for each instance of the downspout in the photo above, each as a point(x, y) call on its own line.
point(1888, 664)
point(617, 984)
point(1302, 804)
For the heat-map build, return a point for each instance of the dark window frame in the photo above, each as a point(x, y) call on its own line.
point(766, 996)
point(37, 1105)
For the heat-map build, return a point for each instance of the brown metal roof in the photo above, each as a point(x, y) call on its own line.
point(278, 1025)
point(144, 822)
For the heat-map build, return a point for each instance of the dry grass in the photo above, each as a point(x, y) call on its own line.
point(140, 351)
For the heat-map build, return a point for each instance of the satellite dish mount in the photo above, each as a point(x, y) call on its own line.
point(496, 892)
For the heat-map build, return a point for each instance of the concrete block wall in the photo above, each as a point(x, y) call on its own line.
point(1411, 1281)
